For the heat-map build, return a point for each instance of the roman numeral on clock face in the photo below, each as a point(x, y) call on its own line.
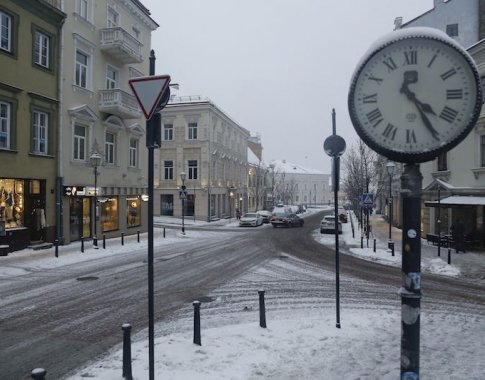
point(448, 114)
point(370, 98)
point(391, 66)
point(390, 131)
point(448, 74)
point(410, 57)
point(374, 117)
point(454, 94)
point(410, 136)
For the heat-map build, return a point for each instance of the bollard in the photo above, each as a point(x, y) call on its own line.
point(38, 374)
point(82, 245)
point(391, 245)
point(56, 244)
point(138, 236)
point(95, 242)
point(367, 242)
point(104, 241)
point(164, 232)
point(361, 242)
point(375, 245)
point(122, 238)
point(449, 255)
point(197, 322)
point(262, 309)
point(127, 374)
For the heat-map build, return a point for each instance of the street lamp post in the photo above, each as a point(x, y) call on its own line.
point(231, 194)
point(390, 166)
point(272, 166)
point(183, 196)
point(439, 221)
point(95, 160)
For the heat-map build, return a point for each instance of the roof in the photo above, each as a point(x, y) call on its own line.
point(458, 200)
point(288, 167)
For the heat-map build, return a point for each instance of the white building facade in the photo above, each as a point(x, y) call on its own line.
point(105, 43)
point(203, 142)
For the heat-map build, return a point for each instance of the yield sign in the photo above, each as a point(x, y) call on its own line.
point(148, 92)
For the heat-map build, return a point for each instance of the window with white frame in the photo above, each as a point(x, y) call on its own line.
point(5, 32)
point(442, 162)
point(110, 148)
point(41, 49)
point(482, 151)
point(192, 131)
point(167, 132)
point(133, 153)
point(40, 132)
point(5, 121)
point(168, 172)
point(82, 8)
point(113, 18)
point(79, 143)
point(82, 69)
point(192, 164)
point(111, 77)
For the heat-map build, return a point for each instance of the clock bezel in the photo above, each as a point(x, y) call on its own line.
point(466, 125)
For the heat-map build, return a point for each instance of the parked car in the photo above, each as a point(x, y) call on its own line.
point(251, 219)
point(266, 215)
point(286, 220)
point(327, 225)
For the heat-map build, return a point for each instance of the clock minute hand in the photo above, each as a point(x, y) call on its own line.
point(422, 107)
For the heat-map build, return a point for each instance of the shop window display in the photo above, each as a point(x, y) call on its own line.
point(12, 203)
point(133, 210)
point(109, 214)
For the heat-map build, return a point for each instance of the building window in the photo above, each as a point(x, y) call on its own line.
point(133, 153)
point(109, 148)
point(136, 33)
point(82, 67)
point(452, 30)
point(113, 18)
point(111, 78)
point(41, 49)
point(133, 211)
point(5, 32)
point(5, 121)
point(83, 9)
point(442, 164)
point(40, 132)
point(168, 174)
point(482, 151)
point(167, 132)
point(109, 214)
point(79, 149)
point(192, 169)
point(192, 131)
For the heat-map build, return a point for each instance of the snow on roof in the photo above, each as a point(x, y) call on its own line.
point(284, 166)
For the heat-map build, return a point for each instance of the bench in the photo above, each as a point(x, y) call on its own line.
point(433, 238)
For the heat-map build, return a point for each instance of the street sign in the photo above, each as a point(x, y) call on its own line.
point(183, 194)
point(149, 91)
point(368, 199)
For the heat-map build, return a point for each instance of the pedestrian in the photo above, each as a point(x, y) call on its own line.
point(238, 214)
point(458, 234)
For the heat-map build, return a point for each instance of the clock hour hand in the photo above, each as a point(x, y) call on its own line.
point(423, 108)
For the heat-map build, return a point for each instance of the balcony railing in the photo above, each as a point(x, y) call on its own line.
point(121, 45)
point(119, 103)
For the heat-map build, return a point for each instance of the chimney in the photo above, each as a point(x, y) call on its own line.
point(397, 23)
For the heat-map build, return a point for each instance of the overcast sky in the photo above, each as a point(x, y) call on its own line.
point(276, 67)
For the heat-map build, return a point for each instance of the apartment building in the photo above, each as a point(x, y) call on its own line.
point(30, 33)
point(204, 150)
point(102, 154)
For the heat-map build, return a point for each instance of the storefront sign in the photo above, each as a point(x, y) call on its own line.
point(73, 191)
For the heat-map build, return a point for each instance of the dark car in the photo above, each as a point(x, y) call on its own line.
point(286, 220)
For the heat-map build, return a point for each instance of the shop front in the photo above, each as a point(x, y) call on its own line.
point(22, 213)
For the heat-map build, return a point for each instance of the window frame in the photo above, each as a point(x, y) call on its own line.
point(167, 130)
point(79, 142)
point(133, 152)
point(38, 56)
point(80, 65)
point(442, 162)
point(192, 169)
point(8, 123)
point(109, 149)
point(192, 132)
point(112, 23)
point(9, 29)
point(168, 170)
point(112, 83)
point(39, 129)
point(452, 30)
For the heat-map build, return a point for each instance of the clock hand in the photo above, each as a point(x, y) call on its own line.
point(411, 77)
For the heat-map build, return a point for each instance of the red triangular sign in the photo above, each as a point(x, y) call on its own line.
point(148, 92)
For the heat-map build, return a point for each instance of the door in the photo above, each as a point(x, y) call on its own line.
point(80, 218)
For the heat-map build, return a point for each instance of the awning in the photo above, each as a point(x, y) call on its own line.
point(458, 200)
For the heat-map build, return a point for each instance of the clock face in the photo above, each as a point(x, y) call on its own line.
point(415, 98)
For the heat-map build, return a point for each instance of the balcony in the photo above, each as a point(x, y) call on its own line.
point(119, 103)
point(120, 44)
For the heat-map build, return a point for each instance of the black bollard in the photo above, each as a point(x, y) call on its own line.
point(375, 245)
point(361, 242)
point(122, 238)
point(197, 322)
point(262, 309)
point(367, 242)
point(56, 245)
point(391, 245)
point(104, 241)
point(38, 374)
point(164, 232)
point(82, 245)
point(138, 236)
point(95, 242)
point(449, 255)
point(127, 374)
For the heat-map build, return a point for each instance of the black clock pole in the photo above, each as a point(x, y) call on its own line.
point(411, 185)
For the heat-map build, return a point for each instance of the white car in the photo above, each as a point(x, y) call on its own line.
point(327, 225)
point(266, 215)
point(251, 219)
